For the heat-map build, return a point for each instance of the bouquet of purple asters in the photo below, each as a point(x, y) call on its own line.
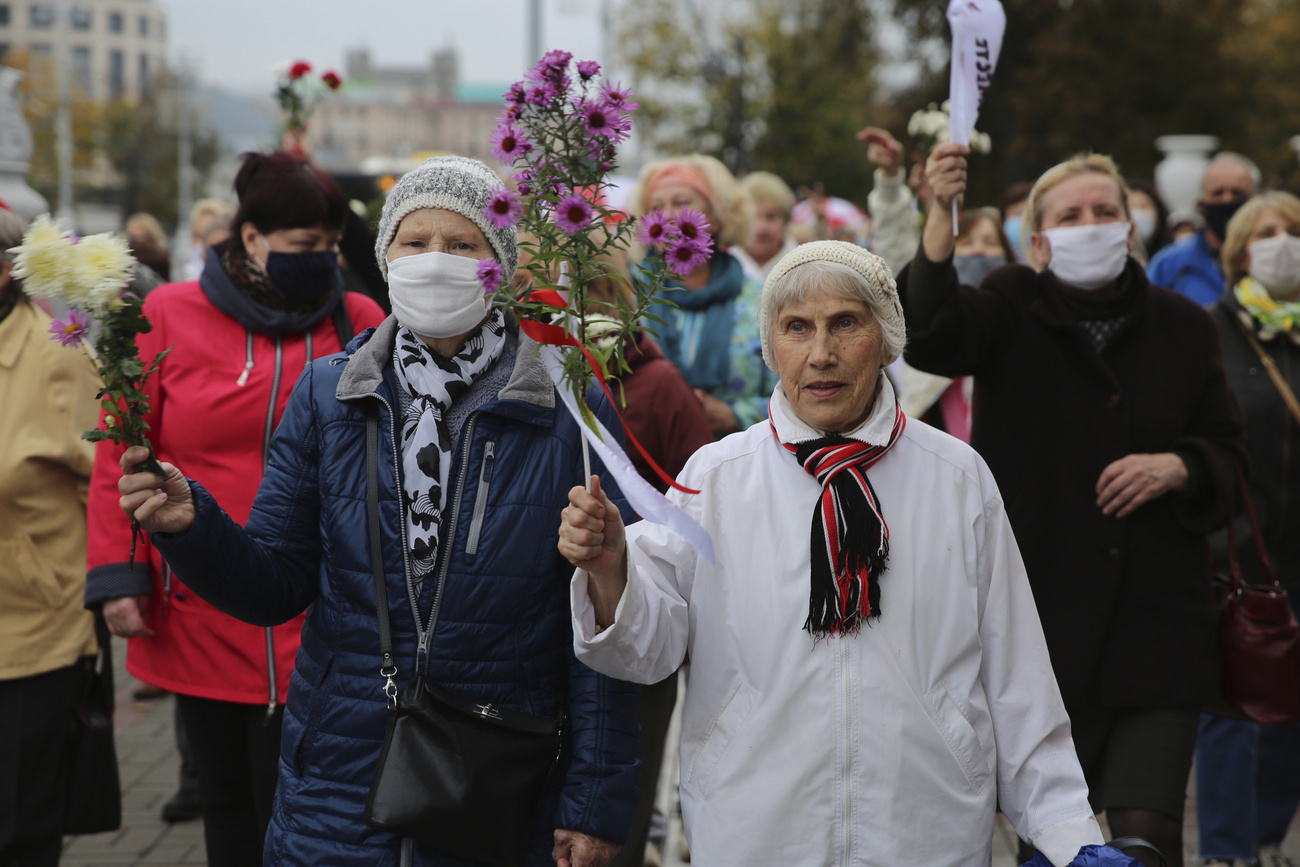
point(560, 131)
point(90, 275)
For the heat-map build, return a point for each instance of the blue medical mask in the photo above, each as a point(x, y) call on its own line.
point(1011, 226)
point(971, 270)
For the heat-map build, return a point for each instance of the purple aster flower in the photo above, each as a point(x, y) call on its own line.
point(555, 59)
point(654, 228)
point(516, 93)
point(602, 119)
point(618, 96)
point(508, 143)
point(684, 255)
point(490, 274)
point(70, 331)
point(524, 181)
point(503, 209)
point(542, 94)
point(692, 224)
point(588, 69)
point(573, 214)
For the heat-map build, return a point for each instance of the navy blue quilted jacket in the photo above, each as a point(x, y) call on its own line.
point(502, 630)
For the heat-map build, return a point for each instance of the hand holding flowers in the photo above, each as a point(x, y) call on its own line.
point(90, 275)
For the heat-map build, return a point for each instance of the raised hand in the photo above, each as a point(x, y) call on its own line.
point(883, 150)
point(945, 175)
point(592, 537)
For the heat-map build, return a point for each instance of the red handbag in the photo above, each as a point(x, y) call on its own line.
point(1259, 638)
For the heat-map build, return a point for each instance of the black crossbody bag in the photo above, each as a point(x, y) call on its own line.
point(453, 772)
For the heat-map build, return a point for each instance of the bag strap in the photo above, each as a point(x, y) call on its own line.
point(1131, 842)
point(1270, 577)
point(1279, 381)
point(343, 324)
point(388, 669)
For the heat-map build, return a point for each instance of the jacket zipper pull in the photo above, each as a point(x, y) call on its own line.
point(248, 361)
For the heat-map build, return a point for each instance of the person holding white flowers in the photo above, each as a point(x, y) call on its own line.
point(1248, 773)
point(1101, 406)
point(866, 692)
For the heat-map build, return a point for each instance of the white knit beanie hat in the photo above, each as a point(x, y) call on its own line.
point(883, 291)
point(457, 184)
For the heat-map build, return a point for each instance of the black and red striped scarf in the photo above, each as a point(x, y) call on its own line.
point(850, 539)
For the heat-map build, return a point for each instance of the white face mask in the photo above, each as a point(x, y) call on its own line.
point(1275, 262)
point(1088, 257)
point(436, 294)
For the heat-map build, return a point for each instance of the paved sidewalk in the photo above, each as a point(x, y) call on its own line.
point(148, 763)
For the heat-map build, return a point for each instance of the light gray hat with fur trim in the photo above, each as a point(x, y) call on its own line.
point(457, 184)
point(880, 296)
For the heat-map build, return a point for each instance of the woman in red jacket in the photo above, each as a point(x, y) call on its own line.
point(270, 299)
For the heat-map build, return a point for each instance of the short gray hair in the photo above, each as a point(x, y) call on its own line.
point(1256, 176)
point(839, 269)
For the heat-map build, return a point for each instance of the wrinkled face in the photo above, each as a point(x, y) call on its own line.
point(828, 353)
point(981, 240)
point(671, 198)
point(769, 231)
point(437, 230)
point(1085, 199)
point(1226, 181)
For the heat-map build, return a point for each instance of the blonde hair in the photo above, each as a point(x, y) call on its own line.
point(732, 209)
point(1242, 224)
point(147, 224)
point(767, 187)
point(1077, 165)
point(215, 208)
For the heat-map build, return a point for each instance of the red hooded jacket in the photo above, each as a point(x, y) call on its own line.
point(213, 406)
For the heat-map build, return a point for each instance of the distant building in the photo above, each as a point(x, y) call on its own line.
point(115, 47)
point(390, 113)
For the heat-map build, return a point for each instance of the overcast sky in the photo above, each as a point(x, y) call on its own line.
point(235, 43)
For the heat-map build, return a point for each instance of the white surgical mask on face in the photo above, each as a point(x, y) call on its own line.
point(1275, 262)
point(1088, 257)
point(436, 294)
point(1146, 223)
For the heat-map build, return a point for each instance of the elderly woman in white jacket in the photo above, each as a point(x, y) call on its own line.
point(866, 693)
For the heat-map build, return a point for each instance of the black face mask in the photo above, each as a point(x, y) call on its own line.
point(971, 270)
point(304, 276)
point(1218, 215)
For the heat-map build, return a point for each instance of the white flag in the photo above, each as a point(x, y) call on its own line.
point(977, 28)
point(645, 500)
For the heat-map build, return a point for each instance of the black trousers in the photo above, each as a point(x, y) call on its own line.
point(237, 750)
point(36, 716)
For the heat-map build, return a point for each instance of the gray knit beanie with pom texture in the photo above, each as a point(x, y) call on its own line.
point(457, 184)
point(880, 288)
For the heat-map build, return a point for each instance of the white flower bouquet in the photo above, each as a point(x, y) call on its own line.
point(930, 126)
point(91, 274)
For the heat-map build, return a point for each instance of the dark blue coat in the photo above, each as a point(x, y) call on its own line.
point(502, 629)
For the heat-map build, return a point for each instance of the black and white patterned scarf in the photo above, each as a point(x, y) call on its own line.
point(432, 384)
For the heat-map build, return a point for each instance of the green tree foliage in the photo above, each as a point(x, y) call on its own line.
point(1101, 75)
point(820, 59)
point(780, 85)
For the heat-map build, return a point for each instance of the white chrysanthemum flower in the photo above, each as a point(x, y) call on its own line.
point(602, 330)
point(43, 260)
point(980, 141)
point(103, 266)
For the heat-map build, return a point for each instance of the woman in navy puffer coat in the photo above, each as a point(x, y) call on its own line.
point(494, 595)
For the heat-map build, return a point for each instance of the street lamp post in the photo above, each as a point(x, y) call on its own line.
point(63, 116)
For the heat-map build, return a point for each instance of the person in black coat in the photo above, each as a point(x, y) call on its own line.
point(1102, 409)
point(1248, 773)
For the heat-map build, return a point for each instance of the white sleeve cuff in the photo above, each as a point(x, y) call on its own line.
point(1061, 842)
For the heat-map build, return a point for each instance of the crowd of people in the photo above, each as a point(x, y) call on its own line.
point(1021, 437)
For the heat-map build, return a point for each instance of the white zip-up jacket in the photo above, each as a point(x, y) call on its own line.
point(891, 747)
